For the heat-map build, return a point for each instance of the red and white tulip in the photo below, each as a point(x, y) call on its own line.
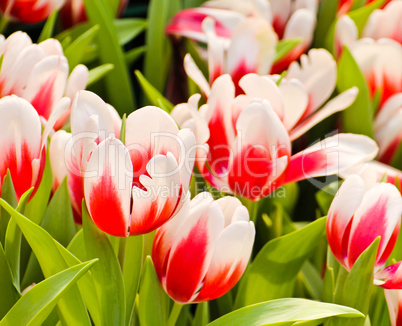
point(357, 216)
point(202, 253)
point(22, 143)
point(137, 187)
point(394, 301)
point(288, 19)
point(91, 122)
point(38, 73)
point(29, 11)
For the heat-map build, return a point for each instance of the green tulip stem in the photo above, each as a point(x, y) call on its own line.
point(174, 314)
point(122, 251)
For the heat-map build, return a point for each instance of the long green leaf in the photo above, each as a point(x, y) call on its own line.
point(58, 219)
point(359, 116)
point(118, 84)
point(129, 28)
point(361, 15)
point(44, 246)
point(152, 303)
point(97, 73)
point(273, 272)
point(9, 295)
point(8, 194)
point(106, 274)
point(76, 50)
point(47, 30)
point(38, 302)
point(153, 95)
point(285, 312)
point(157, 57)
point(326, 15)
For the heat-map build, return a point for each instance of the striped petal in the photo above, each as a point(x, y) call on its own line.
point(57, 155)
point(46, 84)
point(107, 187)
point(229, 260)
point(378, 215)
point(331, 156)
point(192, 251)
point(155, 202)
point(20, 141)
point(340, 214)
point(390, 277)
point(345, 34)
point(394, 301)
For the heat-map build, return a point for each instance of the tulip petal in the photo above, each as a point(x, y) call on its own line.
point(390, 277)
point(345, 33)
point(394, 301)
point(192, 251)
point(261, 87)
point(156, 201)
point(19, 141)
point(46, 84)
point(378, 215)
point(317, 72)
point(77, 81)
point(230, 258)
point(196, 75)
point(339, 103)
point(216, 48)
point(57, 155)
point(107, 187)
point(331, 156)
point(340, 214)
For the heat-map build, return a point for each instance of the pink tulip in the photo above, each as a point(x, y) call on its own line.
point(29, 11)
point(135, 188)
point(22, 144)
point(38, 73)
point(73, 12)
point(358, 216)
point(92, 120)
point(202, 253)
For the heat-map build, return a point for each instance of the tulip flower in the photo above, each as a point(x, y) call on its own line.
point(137, 187)
point(357, 216)
point(251, 155)
point(22, 143)
point(91, 120)
point(29, 11)
point(289, 20)
point(202, 253)
point(38, 73)
point(73, 12)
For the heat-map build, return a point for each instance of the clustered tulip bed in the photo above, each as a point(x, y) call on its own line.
point(189, 162)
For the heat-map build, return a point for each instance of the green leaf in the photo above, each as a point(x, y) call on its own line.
point(77, 246)
point(44, 246)
point(134, 54)
point(106, 274)
point(132, 272)
point(325, 196)
point(8, 194)
point(129, 28)
point(284, 47)
point(9, 295)
point(273, 272)
point(153, 95)
point(357, 287)
point(76, 50)
point(117, 82)
point(326, 15)
point(360, 16)
point(152, 303)
point(312, 280)
point(397, 158)
point(12, 245)
point(35, 305)
point(157, 57)
point(48, 28)
point(284, 312)
point(58, 219)
point(358, 118)
point(99, 72)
